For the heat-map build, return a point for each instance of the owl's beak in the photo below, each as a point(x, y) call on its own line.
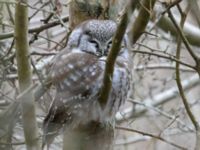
point(104, 51)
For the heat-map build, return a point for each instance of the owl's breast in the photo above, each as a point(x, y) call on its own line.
point(119, 91)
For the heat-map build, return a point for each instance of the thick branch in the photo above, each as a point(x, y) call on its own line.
point(141, 20)
point(116, 46)
point(25, 77)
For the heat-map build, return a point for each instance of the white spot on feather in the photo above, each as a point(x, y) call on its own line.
point(93, 73)
point(70, 66)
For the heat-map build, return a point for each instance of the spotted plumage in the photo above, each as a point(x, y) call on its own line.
point(77, 73)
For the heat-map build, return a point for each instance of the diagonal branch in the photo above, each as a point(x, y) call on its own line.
point(185, 41)
point(109, 68)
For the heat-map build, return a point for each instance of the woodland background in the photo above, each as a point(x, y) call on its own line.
point(164, 105)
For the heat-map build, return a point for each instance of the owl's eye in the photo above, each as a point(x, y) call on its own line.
point(109, 44)
point(95, 43)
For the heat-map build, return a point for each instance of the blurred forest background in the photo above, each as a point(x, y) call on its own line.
point(163, 111)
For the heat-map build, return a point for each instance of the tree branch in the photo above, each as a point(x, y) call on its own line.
point(110, 62)
point(141, 20)
point(185, 41)
point(157, 99)
point(36, 29)
point(180, 87)
point(165, 57)
point(25, 77)
point(151, 135)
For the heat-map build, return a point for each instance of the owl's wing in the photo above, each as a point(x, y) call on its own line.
point(74, 75)
point(73, 72)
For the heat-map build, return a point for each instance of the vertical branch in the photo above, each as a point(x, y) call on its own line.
point(185, 41)
point(25, 76)
point(179, 84)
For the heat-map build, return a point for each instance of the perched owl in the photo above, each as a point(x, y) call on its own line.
point(77, 73)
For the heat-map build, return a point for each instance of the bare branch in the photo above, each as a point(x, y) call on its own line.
point(151, 135)
point(158, 99)
point(178, 81)
point(142, 20)
point(37, 29)
point(113, 53)
point(164, 56)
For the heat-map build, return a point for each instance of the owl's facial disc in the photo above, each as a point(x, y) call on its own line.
point(101, 48)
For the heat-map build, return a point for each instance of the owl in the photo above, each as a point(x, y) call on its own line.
point(77, 73)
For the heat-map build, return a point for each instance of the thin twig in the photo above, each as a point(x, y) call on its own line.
point(37, 29)
point(151, 135)
point(170, 5)
point(165, 57)
point(158, 99)
point(38, 10)
point(163, 113)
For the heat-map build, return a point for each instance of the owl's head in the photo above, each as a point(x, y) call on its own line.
point(94, 36)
